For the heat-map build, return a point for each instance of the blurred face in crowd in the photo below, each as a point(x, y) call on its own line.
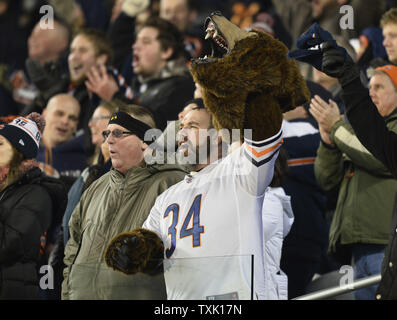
point(177, 12)
point(6, 152)
point(82, 57)
point(148, 56)
point(383, 93)
point(46, 45)
point(125, 151)
point(390, 41)
point(61, 116)
point(98, 123)
point(321, 7)
point(193, 133)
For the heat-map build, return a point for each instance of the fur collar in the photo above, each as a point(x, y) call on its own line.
point(24, 167)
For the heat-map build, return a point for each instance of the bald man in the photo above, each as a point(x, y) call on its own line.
point(60, 152)
point(46, 51)
point(46, 45)
point(61, 116)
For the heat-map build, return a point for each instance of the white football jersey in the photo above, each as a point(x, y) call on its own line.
point(211, 225)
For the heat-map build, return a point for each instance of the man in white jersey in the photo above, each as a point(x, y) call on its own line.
point(210, 223)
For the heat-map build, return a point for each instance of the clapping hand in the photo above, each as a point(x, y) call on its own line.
point(326, 114)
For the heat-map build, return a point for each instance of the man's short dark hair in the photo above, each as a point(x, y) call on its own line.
point(168, 35)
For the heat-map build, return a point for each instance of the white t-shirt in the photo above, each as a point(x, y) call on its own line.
point(210, 224)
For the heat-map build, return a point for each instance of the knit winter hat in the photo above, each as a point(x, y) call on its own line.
point(24, 134)
point(391, 71)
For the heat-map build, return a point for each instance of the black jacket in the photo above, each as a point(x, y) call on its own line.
point(372, 132)
point(28, 208)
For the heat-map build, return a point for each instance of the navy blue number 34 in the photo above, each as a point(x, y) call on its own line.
point(195, 231)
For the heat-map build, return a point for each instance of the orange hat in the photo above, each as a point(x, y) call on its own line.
point(391, 71)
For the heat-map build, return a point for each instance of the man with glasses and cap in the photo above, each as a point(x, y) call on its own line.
point(117, 202)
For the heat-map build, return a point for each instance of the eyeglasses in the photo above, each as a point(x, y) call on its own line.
point(94, 119)
point(117, 133)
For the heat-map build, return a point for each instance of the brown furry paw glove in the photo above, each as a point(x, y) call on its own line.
point(140, 250)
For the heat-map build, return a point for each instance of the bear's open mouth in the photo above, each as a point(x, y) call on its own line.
point(219, 43)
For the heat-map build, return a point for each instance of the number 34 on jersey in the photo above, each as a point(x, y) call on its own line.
point(184, 224)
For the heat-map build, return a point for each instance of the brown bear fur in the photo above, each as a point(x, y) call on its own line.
point(252, 85)
point(146, 256)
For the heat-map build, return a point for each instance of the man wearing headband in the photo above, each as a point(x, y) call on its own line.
point(117, 202)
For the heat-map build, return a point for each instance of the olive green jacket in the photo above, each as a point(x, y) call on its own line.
point(113, 204)
point(366, 190)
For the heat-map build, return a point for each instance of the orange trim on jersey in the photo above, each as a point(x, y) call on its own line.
point(297, 162)
point(266, 151)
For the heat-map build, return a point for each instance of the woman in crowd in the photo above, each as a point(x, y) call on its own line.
point(28, 201)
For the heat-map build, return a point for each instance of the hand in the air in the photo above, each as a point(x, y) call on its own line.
point(101, 83)
point(338, 64)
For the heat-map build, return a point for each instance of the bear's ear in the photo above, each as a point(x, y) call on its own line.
point(293, 91)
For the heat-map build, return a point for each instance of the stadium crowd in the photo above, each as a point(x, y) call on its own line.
point(83, 81)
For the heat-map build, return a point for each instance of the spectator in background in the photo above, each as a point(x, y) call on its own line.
point(371, 50)
point(127, 16)
point(62, 155)
point(368, 122)
point(183, 14)
point(47, 52)
point(363, 215)
point(389, 29)
point(89, 47)
point(163, 83)
point(29, 204)
point(48, 45)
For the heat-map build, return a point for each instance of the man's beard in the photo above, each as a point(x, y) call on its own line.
point(188, 153)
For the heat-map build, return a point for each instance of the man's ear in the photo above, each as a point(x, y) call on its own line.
point(102, 59)
point(167, 53)
point(144, 146)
